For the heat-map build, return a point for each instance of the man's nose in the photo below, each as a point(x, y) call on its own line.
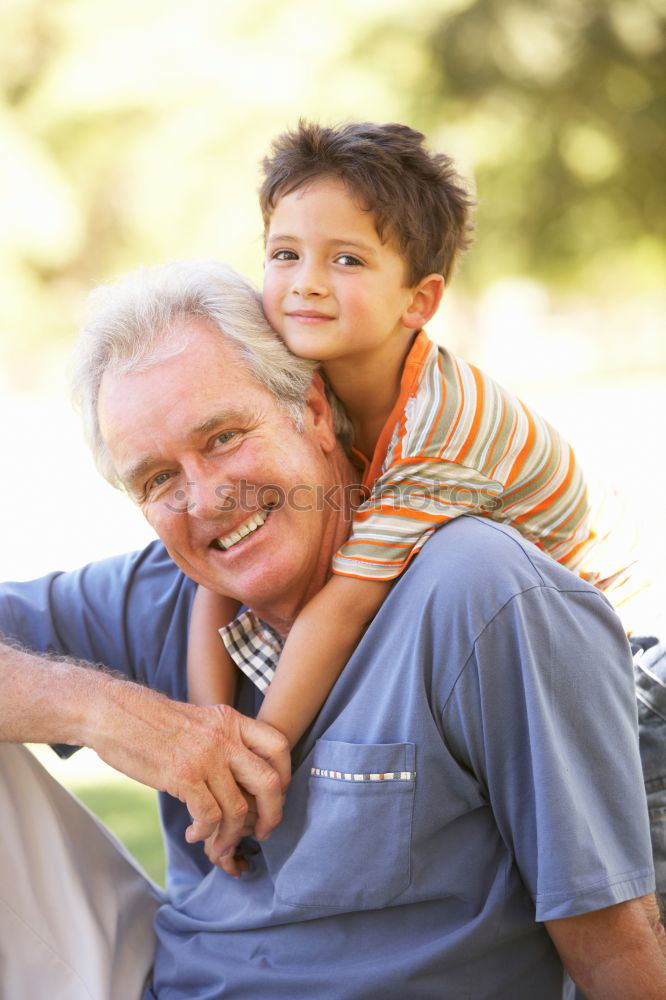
point(206, 498)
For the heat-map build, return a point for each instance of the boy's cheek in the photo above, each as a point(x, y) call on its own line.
point(271, 304)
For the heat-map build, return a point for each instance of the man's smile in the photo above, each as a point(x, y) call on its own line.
point(253, 522)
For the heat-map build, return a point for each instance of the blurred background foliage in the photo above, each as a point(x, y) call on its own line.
point(560, 107)
point(132, 132)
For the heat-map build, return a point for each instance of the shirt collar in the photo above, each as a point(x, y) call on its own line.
point(412, 373)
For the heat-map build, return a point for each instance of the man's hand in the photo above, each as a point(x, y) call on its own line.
point(617, 953)
point(198, 754)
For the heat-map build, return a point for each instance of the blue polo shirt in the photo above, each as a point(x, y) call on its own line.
point(474, 772)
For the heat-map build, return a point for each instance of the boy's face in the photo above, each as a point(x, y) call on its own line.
point(332, 289)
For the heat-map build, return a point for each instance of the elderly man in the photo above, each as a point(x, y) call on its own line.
point(454, 826)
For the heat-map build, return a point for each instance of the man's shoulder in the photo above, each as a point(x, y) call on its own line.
point(475, 564)
point(479, 594)
point(472, 549)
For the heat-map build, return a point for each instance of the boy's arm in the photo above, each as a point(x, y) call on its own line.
point(617, 953)
point(320, 642)
point(211, 673)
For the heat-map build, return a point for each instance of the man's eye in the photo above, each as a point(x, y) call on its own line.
point(225, 437)
point(284, 255)
point(158, 480)
point(348, 260)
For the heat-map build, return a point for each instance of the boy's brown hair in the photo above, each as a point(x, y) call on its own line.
point(416, 197)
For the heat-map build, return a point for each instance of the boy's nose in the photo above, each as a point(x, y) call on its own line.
point(310, 281)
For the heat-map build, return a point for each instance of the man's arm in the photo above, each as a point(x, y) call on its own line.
point(618, 953)
point(131, 613)
point(196, 754)
point(557, 751)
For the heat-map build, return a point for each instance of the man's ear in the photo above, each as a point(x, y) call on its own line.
point(320, 414)
point(424, 301)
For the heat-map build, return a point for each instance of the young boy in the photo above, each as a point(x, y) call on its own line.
point(363, 228)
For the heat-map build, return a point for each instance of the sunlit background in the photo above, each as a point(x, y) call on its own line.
point(132, 133)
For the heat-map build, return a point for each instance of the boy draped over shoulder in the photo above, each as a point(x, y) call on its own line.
point(363, 229)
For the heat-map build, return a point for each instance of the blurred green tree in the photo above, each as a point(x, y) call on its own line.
point(132, 132)
point(559, 108)
point(60, 171)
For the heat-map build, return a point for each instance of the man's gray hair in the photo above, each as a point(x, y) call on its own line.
point(129, 329)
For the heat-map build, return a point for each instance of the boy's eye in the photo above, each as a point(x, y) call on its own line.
point(284, 255)
point(348, 260)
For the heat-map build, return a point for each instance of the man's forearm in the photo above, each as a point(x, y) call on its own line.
point(45, 699)
point(655, 919)
point(198, 754)
point(617, 953)
point(58, 700)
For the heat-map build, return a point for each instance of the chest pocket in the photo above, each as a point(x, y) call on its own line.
point(354, 851)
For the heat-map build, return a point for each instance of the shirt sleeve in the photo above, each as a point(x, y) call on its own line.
point(129, 612)
point(544, 715)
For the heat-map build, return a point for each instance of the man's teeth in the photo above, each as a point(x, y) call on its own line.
point(250, 525)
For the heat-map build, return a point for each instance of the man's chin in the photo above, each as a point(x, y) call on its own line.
point(200, 575)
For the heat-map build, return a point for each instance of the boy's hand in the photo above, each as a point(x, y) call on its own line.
point(226, 858)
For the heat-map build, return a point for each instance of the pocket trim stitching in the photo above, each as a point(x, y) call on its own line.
point(321, 772)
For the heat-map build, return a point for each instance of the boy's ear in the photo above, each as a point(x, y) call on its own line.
point(319, 414)
point(424, 301)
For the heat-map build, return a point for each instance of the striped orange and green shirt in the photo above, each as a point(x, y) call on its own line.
point(458, 443)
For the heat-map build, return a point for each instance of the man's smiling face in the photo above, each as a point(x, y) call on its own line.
point(206, 451)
